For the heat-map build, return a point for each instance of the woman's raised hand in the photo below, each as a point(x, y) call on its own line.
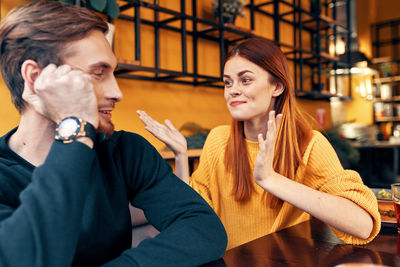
point(170, 136)
point(263, 168)
point(167, 133)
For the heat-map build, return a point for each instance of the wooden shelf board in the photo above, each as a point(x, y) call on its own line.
point(387, 79)
point(328, 56)
point(388, 100)
point(192, 153)
point(324, 56)
point(387, 119)
point(379, 60)
point(323, 95)
point(214, 32)
point(128, 61)
point(325, 22)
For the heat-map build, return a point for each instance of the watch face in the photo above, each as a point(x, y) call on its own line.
point(68, 128)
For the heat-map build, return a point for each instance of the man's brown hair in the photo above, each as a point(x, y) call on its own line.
point(40, 31)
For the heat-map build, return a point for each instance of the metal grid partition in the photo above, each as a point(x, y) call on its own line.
point(313, 60)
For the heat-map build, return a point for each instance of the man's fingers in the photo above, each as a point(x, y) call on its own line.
point(43, 76)
point(62, 70)
point(48, 69)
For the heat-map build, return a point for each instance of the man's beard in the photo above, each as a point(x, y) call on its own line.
point(106, 127)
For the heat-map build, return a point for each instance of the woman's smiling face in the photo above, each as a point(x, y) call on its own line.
point(248, 90)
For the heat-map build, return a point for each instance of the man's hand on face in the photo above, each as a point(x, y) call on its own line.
point(61, 91)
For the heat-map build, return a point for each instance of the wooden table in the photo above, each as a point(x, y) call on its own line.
point(312, 243)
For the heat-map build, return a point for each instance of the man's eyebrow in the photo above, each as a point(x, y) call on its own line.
point(103, 65)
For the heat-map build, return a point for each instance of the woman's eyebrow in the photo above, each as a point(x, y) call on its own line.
point(239, 74)
point(244, 72)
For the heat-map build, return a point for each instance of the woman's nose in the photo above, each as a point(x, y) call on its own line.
point(235, 90)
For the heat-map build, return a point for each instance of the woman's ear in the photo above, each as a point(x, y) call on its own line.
point(30, 70)
point(278, 90)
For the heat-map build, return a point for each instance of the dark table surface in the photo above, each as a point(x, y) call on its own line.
point(312, 243)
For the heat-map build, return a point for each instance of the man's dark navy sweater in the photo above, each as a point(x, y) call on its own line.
point(73, 209)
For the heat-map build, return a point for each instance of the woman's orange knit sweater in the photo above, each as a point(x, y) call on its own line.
point(255, 218)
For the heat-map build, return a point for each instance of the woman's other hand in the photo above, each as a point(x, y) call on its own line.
point(263, 168)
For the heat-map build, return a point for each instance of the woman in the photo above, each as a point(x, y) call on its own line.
point(265, 172)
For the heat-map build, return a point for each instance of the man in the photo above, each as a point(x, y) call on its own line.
point(64, 190)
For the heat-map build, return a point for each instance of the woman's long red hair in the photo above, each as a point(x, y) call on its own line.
point(294, 133)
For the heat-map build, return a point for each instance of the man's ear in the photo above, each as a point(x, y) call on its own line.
point(30, 70)
point(278, 90)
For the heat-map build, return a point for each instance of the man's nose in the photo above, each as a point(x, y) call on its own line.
point(113, 91)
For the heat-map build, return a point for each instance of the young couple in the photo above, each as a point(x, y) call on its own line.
point(66, 177)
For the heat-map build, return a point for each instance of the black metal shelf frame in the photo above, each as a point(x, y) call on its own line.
point(224, 35)
point(386, 51)
point(393, 40)
point(125, 70)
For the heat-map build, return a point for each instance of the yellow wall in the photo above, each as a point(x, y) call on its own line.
point(373, 11)
point(8, 114)
point(359, 110)
point(366, 15)
point(387, 10)
point(180, 103)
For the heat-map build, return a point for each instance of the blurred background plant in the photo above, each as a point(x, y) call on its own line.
point(230, 9)
point(108, 7)
point(348, 155)
point(195, 135)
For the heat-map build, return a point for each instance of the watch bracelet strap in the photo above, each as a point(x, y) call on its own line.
point(88, 131)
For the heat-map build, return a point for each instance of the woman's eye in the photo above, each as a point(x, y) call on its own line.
point(246, 80)
point(227, 83)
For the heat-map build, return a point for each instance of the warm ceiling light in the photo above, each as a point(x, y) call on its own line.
point(340, 46)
